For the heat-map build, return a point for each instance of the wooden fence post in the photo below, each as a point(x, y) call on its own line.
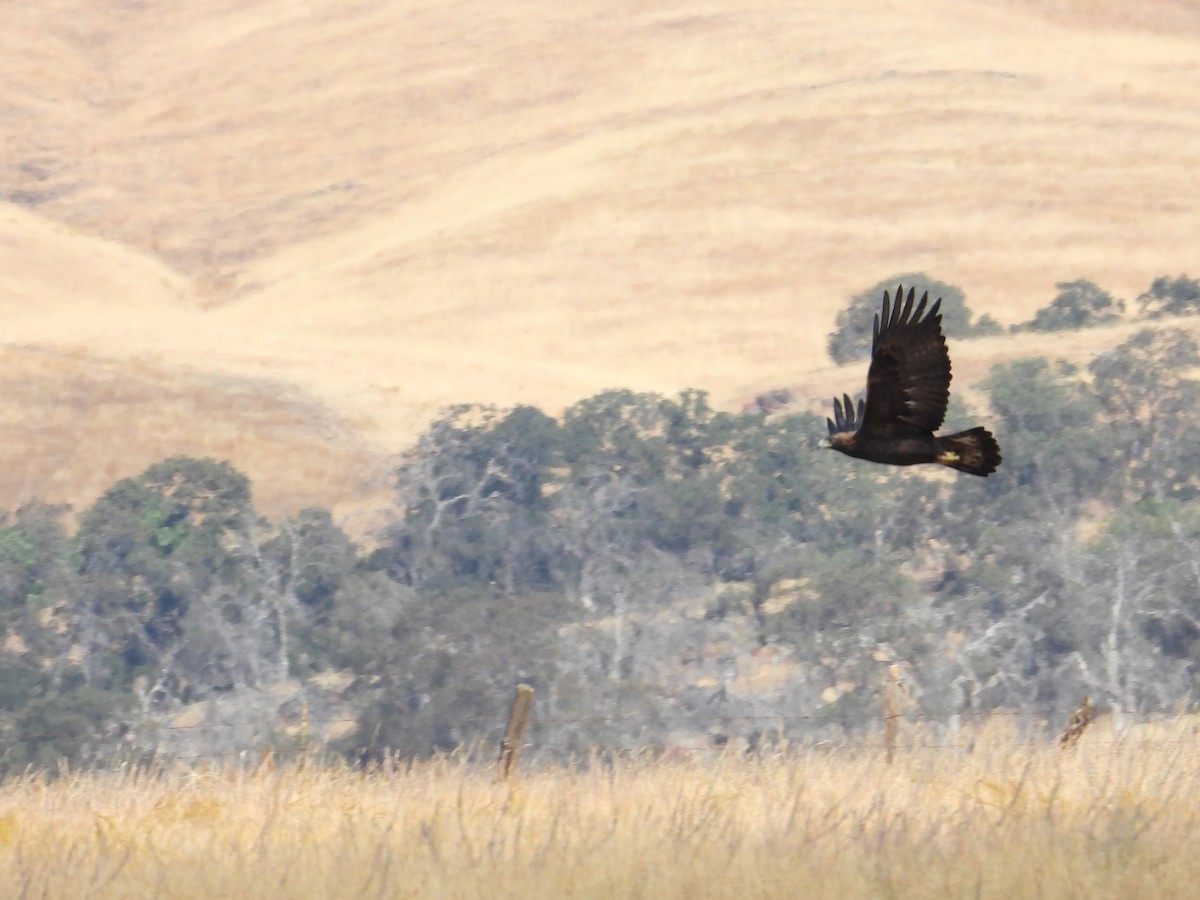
point(518, 718)
point(1080, 719)
point(894, 691)
point(891, 719)
point(302, 748)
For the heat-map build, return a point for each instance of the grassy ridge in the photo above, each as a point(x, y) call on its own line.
point(1110, 818)
point(380, 209)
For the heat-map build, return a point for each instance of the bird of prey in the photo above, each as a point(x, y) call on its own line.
point(908, 387)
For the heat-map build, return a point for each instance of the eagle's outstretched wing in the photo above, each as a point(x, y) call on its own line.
point(908, 383)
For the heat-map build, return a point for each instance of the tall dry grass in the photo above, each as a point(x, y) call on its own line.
point(1109, 818)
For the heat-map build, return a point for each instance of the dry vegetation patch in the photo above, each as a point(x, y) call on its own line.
point(1109, 818)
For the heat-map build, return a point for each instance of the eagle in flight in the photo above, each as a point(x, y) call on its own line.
point(908, 387)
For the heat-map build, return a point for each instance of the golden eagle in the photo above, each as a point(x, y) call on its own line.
point(908, 387)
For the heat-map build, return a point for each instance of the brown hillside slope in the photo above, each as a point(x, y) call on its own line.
point(74, 419)
point(388, 207)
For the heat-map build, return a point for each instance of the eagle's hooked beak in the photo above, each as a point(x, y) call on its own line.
point(825, 444)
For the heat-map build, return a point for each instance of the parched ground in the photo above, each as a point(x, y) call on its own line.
point(287, 234)
point(986, 815)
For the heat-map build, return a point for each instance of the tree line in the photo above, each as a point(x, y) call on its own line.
point(643, 561)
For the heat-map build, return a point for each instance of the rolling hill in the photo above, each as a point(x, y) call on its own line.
point(287, 234)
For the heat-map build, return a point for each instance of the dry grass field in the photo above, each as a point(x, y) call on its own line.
point(995, 819)
point(358, 213)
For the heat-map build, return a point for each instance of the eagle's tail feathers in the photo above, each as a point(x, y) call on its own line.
point(974, 451)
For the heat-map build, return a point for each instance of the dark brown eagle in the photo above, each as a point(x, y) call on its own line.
point(908, 387)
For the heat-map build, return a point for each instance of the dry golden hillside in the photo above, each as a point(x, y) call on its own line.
point(288, 233)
